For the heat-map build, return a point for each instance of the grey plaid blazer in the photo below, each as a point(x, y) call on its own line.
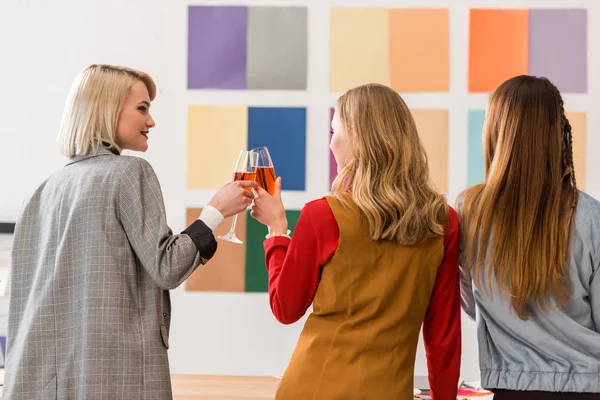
point(93, 260)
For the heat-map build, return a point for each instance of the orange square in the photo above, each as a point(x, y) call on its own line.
point(419, 50)
point(498, 47)
point(432, 126)
point(226, 271)
point(578, 122)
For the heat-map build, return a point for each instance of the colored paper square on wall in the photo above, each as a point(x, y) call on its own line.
point(277, 47)
point(215, 135)
point(256, 272)
point(217, 47)
point(432, 126)
point(578, 121)
point(358, 47)
point(558, 47)
point(419, 50)
point(225, 272)
point(498, 47)
point(283, 132)
point(475, 160)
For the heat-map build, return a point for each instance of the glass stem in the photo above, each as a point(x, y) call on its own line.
point(233, 222)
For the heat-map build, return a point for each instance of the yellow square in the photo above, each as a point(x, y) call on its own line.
point(215, 136)
point(358, 47)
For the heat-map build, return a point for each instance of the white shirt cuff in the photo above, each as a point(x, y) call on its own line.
point(211, 217)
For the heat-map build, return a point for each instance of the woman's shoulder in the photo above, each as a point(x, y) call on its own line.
point(317, 207)
point(126, 171)
point(587, 211)
point(131, 166)
point(587, 202)
point(132, 161)
point(319, 212)
point(109, 163)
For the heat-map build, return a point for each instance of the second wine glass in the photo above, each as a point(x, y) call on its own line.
point(262, 165)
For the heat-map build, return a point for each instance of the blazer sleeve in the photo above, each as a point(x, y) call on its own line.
point(168, 258)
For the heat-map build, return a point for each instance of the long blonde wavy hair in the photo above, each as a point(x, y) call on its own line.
point(387, 173)
point(527, 199)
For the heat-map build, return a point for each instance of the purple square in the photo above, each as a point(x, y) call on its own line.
point(217, 47)
point(558, 47)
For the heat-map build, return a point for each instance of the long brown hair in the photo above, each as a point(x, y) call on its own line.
point(387, 173)
point(518, 220)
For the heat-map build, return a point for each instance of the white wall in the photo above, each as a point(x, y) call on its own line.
point(44, 44)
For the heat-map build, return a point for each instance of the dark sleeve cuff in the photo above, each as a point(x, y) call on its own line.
point(203, 238)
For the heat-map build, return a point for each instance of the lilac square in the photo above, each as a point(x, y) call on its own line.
point(217, 47)
point(558, 47)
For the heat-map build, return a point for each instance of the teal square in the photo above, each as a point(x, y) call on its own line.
point(475, 161)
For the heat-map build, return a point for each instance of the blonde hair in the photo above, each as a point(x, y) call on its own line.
point(387, 173)
point(93, 107)
point(518, 220)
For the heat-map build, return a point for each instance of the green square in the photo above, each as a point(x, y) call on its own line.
point(257, 278)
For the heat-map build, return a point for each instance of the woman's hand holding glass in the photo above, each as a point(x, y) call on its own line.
point(268, 210)
point(234, 197)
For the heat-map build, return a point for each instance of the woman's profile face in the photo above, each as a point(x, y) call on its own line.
point(135, 120)
point(339, 144)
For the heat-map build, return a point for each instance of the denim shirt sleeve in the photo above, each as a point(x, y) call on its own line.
point(595, 292)
point(467, 298)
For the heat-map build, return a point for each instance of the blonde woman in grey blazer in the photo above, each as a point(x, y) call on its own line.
point(93, 257)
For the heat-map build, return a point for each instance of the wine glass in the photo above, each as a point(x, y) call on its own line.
point(243, 171)
point(262, 165)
